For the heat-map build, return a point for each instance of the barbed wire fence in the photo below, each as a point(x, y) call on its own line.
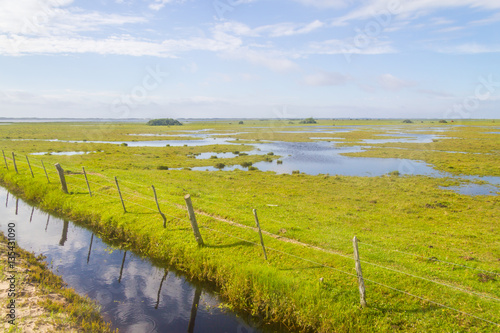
point(134, 195)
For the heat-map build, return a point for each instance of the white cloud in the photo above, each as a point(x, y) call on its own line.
point(390, 82)
point(492, 19)
point(412, 8)
point(122, 45)
point(51, 17)
point(159, 4)
point(469, 48)
point(435, 93)
point(274, 61)
point(326, 79)
point(349, 47)
point(273, 30)
point(324, 3)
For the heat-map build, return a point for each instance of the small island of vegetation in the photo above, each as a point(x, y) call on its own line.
point(164, 122)
point(308, 121)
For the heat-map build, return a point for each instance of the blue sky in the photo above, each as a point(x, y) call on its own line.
point(250, 58)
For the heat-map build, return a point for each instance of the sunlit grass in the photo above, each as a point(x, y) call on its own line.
point(409, 227)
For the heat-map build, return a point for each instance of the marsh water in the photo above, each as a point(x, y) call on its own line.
point(321, 156)
point(136, 296)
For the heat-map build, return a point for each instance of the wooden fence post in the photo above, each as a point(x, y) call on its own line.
point(120, 193)
point(158, 205)
point(88, 185)
point(31, 170)
point(260, 233)
point(14, 160)
point(192, 218)
point(361, 282)
point(60, 171)
point(5, 160)
point(45, 170)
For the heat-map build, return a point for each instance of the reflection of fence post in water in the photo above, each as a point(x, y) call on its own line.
point(17, 205)
point(64, 235)
point(32, 211)
point(194, 309)
point(90, 248)
point(159, 290)
point(121, 269)
point(48, 219)
point(7, 200)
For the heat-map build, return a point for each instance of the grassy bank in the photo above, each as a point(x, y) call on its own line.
point(417, 239)
point(43, 302)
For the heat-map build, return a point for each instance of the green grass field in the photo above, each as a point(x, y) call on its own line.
point(430, 256)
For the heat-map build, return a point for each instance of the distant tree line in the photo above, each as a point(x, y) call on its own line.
point(164, 122)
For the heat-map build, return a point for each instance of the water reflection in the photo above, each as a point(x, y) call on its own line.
point(134, 295)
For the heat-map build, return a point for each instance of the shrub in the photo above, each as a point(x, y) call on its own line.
point(124, 144)
point(407, 121)
point(220, 166)
point(241, 122)
point(270, 153)
point(246, 164)
point(279, 162)
point(295, 172)
point(394, 173)
point(252, 168)
point(442, 121)
point(164, 122)
point(308, 121)
point(162, 167)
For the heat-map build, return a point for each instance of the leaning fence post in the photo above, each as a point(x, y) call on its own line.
point(46, 175)
point(361, 282)
point(158, 205)
point(60, 171)
point(120, 193)
point(192, 218)
point(260, 233)
point(27, 159)
point(5, 160)
point(88, 185)
point(14, 160)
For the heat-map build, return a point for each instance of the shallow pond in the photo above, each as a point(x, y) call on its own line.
point(135, 295)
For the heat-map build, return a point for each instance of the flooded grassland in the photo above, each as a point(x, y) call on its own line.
point(422, 198)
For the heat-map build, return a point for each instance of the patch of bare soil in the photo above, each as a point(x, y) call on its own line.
point(30, 316)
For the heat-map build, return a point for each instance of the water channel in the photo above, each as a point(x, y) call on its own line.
point(135, 295)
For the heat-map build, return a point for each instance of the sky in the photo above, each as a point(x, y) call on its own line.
point(250, 59)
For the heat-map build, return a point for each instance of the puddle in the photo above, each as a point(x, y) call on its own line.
point(69, 153)
point(206, 156)
point(135, 295)
point(406, 138)
point(474, 189)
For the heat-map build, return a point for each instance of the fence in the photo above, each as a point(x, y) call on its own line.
point(131, 191)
